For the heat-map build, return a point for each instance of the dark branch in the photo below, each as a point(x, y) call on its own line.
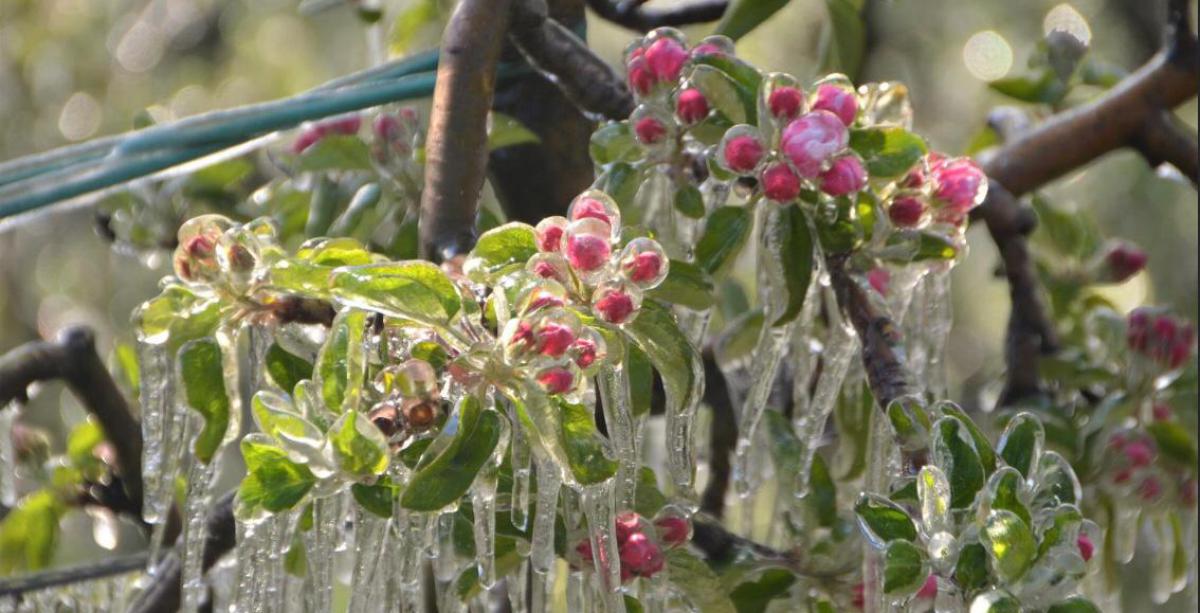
point(73, 359)
point(723, 435)
point(634, 16)
point(165, 593)
point(456, 153)
point(886, 371)
point(91, 571)
point(1164, 140)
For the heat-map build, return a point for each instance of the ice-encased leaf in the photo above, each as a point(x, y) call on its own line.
point(983, 446)
point(697, 582)
point(202, 375)
point(315, 261)
point(1006, 490)
point(503, 249)
point(904, 570)
point(286, 369)
point(1060, 529)
point(1021, 443)
point(414, 290)
point(1056, 482)
point(376, 497)
point(953, 451)
point(359, 448)
point(1077, 604)
point(686, 285)
point(1009, 543)
point(176, 316)
point(725, 233)
point(721, 92)
point(471, 435)
point(273, 481)
point(933, 490)
point(889, 151)
point(910, 422)
point(995, 601)
point(792, 242)
point(583, 444)
point(971, 570)
point(340, 364)
point(883, 521)
point(755, 596)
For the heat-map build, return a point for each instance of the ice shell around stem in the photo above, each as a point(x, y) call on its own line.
point(596, 204)
point(644, 263)
point(741, 149)
point(616, 301)
point(812, 139)
point(587, 247)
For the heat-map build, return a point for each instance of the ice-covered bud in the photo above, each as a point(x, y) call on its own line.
point(640, 79)
point(741, 150)
point(840, 102)
point(517, 338)
point(542, 298)
point(665, 58)
point(627, 524)
point(1118, 441)
point(588, 350)
point(858, 595)
point(1123, 475)
point(554, 338)
point(879, 279)
point(1086, 547)
point(556, 379)
point(959, 184)
point(549, 266)
point(1139, 453)
point(717, 45)
point(549, 232)
point(929, 589)
point(673, 530)
point(1161, 411)
point(1150, 489)
point(649, 130)
point(386, 127)
point(387, 417)
point(1121, 262)
point(1138, 329)
point(347, 125)
point(200, 247)
point(845, 176)
point(785, 102)
point(587, 245)
point(616, 303)
point(812, 139)
point(595, 204)
point(780, 183)
point(641, 555)
point(584, 549)
point(691, 106)
point(239, 259)
point(644, 262)
point(906, 212)
point(420, 414)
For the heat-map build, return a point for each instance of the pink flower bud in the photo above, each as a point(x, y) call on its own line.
point(673, 531)
point(1138, 329)
point(614, 305)
point(556, 380)
point(1123, 261)
point(1117, 442)
point(520, 338)
point(587, 245)
point(1161, 411)
point(543, 299)
point(386, 127)
point(549, 266)
point(584, 549)
point(742, 153)
point(585, 351)
point(691, 106)
point(549, 232)
point(640, 79)
point(1150, 488)
point(199, 247)
point(906, 212)
point(780, 183)
point(665, 58)
point(644, 262)
point(1085, 545)
point(838, 101)
point(879, 280)
point(641, 555)
point(649, 130)
point(347, 125)
point(928, 589)
point(785, 102)
point(596, 205)
point(713, 46)
point(858, 595)
point(1139, 454)
point(1123, 476)
point(960, 184)
point(845, 176)
point(812, 139)
point(1182, 346)
point(628, 523)
point(554, 338)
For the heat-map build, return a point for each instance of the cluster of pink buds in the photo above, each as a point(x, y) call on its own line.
point(310, 134)
point(1133, 454)
point(396, 135)
point(580, 252)
point(213, 249)
point(655, 64)
point(941, 189)
point(1166, 340)
point(1117, 263)
point(641, 549)
point(411, 399)
point(808, 141)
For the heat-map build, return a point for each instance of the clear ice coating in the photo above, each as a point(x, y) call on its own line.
point(8, 457)
point(601, 520)
point(320, 541)
point(483, 502)
point(201, 480)
point(618, 416)
point(522, 469)
point(157, 400)
point(929, 322)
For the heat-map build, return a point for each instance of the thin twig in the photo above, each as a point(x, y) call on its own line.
point(882, 358)
point(73, 358)
point(634, 16)
point(220, 537)
point(456, 153)
point(108, 567)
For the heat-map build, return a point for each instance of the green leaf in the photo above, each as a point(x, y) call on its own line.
point(1004, 491)
point(614, 142)
point(648, 499)
point(1077, 604)
point(471, 434)
point(359, 448)
point(747, 78)
point(995, 601)
point(81, 442)
point(1099, 73)
point(506, 131)
point(724, 235)
point(971, 571)
point(340, 364)
point(742, 16)
point(953, 451)
point(903, 568)
point(29, 533)
point(686, 285)
point(795, 248)
point(376, 498)
point(1021, 444)
point(889, 151)
point(982, 445)
point(287, 369)
point(721, 92)
point(505, 248)
point(1061, 530)
point(414, 290)
point(1009, 543)
point(175, 316)
point(273, 481)
point(1175, 443)
point(584, 445)
point(689, 201)
point(697, 582)
point(335, 152)
point(755, 596)
point(202, 374)
point(295, 561)
point(883, 521)
point(822, 493)
point(844, 37)
point(1044, 88)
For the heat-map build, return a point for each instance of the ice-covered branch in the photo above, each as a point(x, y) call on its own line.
point(886, 371)
point(220, 537)
point(74, 574)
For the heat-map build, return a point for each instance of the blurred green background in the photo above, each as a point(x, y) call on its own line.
point(71, 70)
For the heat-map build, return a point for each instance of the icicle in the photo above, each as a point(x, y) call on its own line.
point(601, 519)
point(880, 448)
point(483, 502)
point(8, 457)
point(840, 349)
point(175, 429)
point(445, 567)
point(931, 315)
point(200, 482)
point(1125, 532)
point(249, 558)
point(320, 541)
point(521, 473)
point(577, 591)
point(681, 455)
point(541, 550)
point(618, 417)
point(157, 399)
point(518, 597)
point(370, 533)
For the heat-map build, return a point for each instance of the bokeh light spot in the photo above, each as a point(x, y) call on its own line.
point(80, 117)
point(987, 55)
point(1064, 17)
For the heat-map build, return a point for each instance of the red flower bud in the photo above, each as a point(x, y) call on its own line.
point(1123, 261)
point(960, 184)
point(554, 338)
point(641, 80)
point(665, 58)
point(649, 131)
point(845, 176)
point(906, 212)
point(641, 555)
point(837, 101)
point(585, 351)
point(785, 102)
point(628, 523)
point(549, 232)
point(1085, 545)
point(587, 252)
point(742, 153)
point(1161, 412)
point(556, 380)
point(879, 279)
point(673, 531)
point(615, 306)
point(1139, 454)
point(813, 139)
point(199, 247)
point(928, 589)
point(780, 183)
point(1150, 489)
point(691, 106)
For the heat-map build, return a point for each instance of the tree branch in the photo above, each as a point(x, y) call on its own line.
point(631, 14)
point(108, 567)
point(164, 594)
point(456, 150)
point(73, 358)
point(1163, 139)
point(886, 371)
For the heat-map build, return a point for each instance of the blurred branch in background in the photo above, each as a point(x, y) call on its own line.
point(633, 15)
